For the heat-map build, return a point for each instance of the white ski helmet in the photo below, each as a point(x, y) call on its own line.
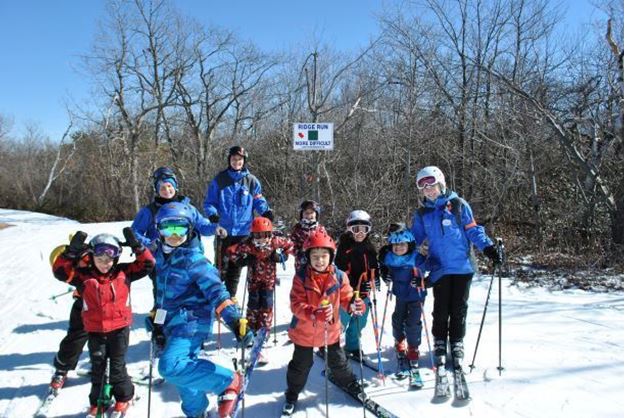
point(432, 171)
point(106, 244)
point(358, 217)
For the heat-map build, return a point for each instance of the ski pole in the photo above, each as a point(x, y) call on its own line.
point(500, 250)
point(105, 390)
point(150, 373)
point(326, 302)
point(362, 378)
point(388, 297)
point(427, 336)
point(376, 332)
point(275, 338)
point(242, 332)
point(54, 297)
point(479, 333)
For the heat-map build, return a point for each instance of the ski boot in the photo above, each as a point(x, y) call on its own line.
point(461, 389)
point(58, 380)
point(413, 363)
point(120, 409)
point(288, 408)
point(356, 390)
point(403, 365)
point(227, 400)
point(92, 412)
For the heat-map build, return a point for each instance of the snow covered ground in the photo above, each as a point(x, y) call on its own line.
point(562, 351)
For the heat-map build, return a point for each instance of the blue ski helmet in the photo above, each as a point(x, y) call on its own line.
point(175, 211)
point(164, 174)
point(399, 236)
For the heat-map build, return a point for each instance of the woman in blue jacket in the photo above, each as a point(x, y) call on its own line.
point(189, 293)
point(231, 200)
point(446, 222)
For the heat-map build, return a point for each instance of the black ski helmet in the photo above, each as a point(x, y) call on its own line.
point(237, 150)
point(163, 173)
point(309, 204)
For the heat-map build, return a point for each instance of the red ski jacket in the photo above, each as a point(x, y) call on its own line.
point(309, 289)
point(106, 297)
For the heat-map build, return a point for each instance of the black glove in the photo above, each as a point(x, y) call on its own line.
point(376, 280)
point(131, 239)
point(243, 260)
point(492, 253)
point(214, 218)
point(268, 215)
point(77, 245)
point(427, 282)
point(415, 281)
point(365, 286)
point(387, 278)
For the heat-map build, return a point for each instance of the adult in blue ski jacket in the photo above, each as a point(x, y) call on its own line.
point(231, 199)
point(446, 223)
point(189, 295)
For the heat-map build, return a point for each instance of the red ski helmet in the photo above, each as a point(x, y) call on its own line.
point(320, 239)
point(260, 224)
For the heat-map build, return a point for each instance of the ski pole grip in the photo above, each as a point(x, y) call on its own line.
point(242, 326)
point(325, 302)
point(357, 294)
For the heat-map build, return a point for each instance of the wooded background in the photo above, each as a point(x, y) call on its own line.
point(526, 123)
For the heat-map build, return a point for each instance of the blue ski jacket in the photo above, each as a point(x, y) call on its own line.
point(190, 290)
point(145, 229)
point(449, 235)
point(234, 196)
point(402, 269)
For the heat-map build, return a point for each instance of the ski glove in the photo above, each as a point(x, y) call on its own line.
point(221, 232)
point(268, 214)
point(77, 245)
point(492, 253)
point(387, 278)
point(276, 256)
point(131, 239)
point(376, 280)
point(357, 307)
point(243, 260)
point(324, 313)
point(214, 218)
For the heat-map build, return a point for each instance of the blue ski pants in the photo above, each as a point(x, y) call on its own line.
point(353, 326)
point(407, 322)
point(193, 377)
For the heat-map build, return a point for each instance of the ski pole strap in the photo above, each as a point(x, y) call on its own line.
point(223, 306)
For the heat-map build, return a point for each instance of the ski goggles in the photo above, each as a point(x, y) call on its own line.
point(106, 250)
point(261, 235)
point(362, 229)
point(174, 227)
point(426, 182)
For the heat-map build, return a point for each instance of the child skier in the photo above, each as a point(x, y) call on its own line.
point(357, 257)
point(260, 252)
point(309, 212)
point(105, 287)
point(403, 264)
point(319, 290)
point(189, 293)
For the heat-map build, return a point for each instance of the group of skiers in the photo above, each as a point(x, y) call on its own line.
point(332, 290)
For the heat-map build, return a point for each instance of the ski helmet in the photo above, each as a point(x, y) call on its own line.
point(309, 204)
point(395, 227)
point(237, 150)
point(430, 175)
point(105, 244)
point(260, 224)
point(358, 217)
point(400, 236)
point(319, 239)
point(164, 174)
point(175, 211)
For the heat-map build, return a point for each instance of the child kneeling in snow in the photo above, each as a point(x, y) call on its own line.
point(319, 290)
point(105, 287)
point(188, 294)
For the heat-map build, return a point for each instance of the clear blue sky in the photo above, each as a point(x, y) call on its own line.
point(41, 40)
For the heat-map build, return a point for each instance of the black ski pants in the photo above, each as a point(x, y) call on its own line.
point(451, 296)
point(229, 271)
point(72, 344)
point(112, 346)
point(302, 361)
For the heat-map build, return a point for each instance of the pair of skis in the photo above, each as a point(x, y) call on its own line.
point(405, 369)
point(442, 390)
